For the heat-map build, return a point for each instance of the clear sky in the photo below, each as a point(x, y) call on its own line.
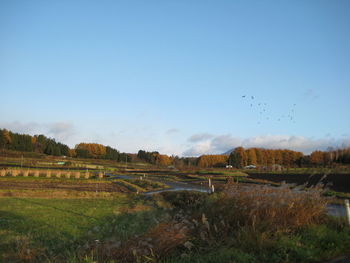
point(171, 75)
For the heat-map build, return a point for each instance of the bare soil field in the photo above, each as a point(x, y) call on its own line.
point(40, 185)
point(336, 182)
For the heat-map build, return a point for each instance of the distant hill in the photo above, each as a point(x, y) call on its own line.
point(228, 152)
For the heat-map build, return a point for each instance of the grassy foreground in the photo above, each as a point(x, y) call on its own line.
point(53, 230)
point(239, 225)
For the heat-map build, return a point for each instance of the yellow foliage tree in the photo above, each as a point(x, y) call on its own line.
point(212, 160)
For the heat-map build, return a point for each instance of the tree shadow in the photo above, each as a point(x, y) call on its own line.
point(26, 239)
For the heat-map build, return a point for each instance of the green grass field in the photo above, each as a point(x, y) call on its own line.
point(41, 229)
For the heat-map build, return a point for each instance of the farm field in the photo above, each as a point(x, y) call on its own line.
point(174, 132)
point(108, 219)
point(336, 182)
point(46, 226)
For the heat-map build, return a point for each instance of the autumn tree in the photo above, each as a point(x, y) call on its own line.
point(206, 161)
point(150, 157)
point(93, 150)
point(251, 156)
point(7, 137)
point(238, 158)
point(163, 160)
point(317, 158)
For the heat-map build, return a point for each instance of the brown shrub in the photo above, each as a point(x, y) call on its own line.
point(156, 242)
point(272, 208)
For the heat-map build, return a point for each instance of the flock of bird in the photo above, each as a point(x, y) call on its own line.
point(262, 108)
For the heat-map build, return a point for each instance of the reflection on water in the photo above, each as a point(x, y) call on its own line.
point(173, 186)
point(336, 210)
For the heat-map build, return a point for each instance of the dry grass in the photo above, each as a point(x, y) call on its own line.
point(273, 208)
point(156, 242)
point(249, 218)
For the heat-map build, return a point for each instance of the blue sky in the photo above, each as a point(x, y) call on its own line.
point(170, 75)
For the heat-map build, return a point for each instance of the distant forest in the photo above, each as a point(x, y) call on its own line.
point(42, 144)
point(238, 158)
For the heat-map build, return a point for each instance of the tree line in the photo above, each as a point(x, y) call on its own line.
point(158, 159)
point(241, 157)
point(238, 158)
point(42, 144)
point(37, 143)
point(99, 151)
point(154, 158)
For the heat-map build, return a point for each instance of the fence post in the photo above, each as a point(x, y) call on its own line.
point(347, 210)
point(212, 189)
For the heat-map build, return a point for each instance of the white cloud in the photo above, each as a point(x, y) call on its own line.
point(61, 130)
point(199, 149)
point(223, 143)
point(200, 137)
